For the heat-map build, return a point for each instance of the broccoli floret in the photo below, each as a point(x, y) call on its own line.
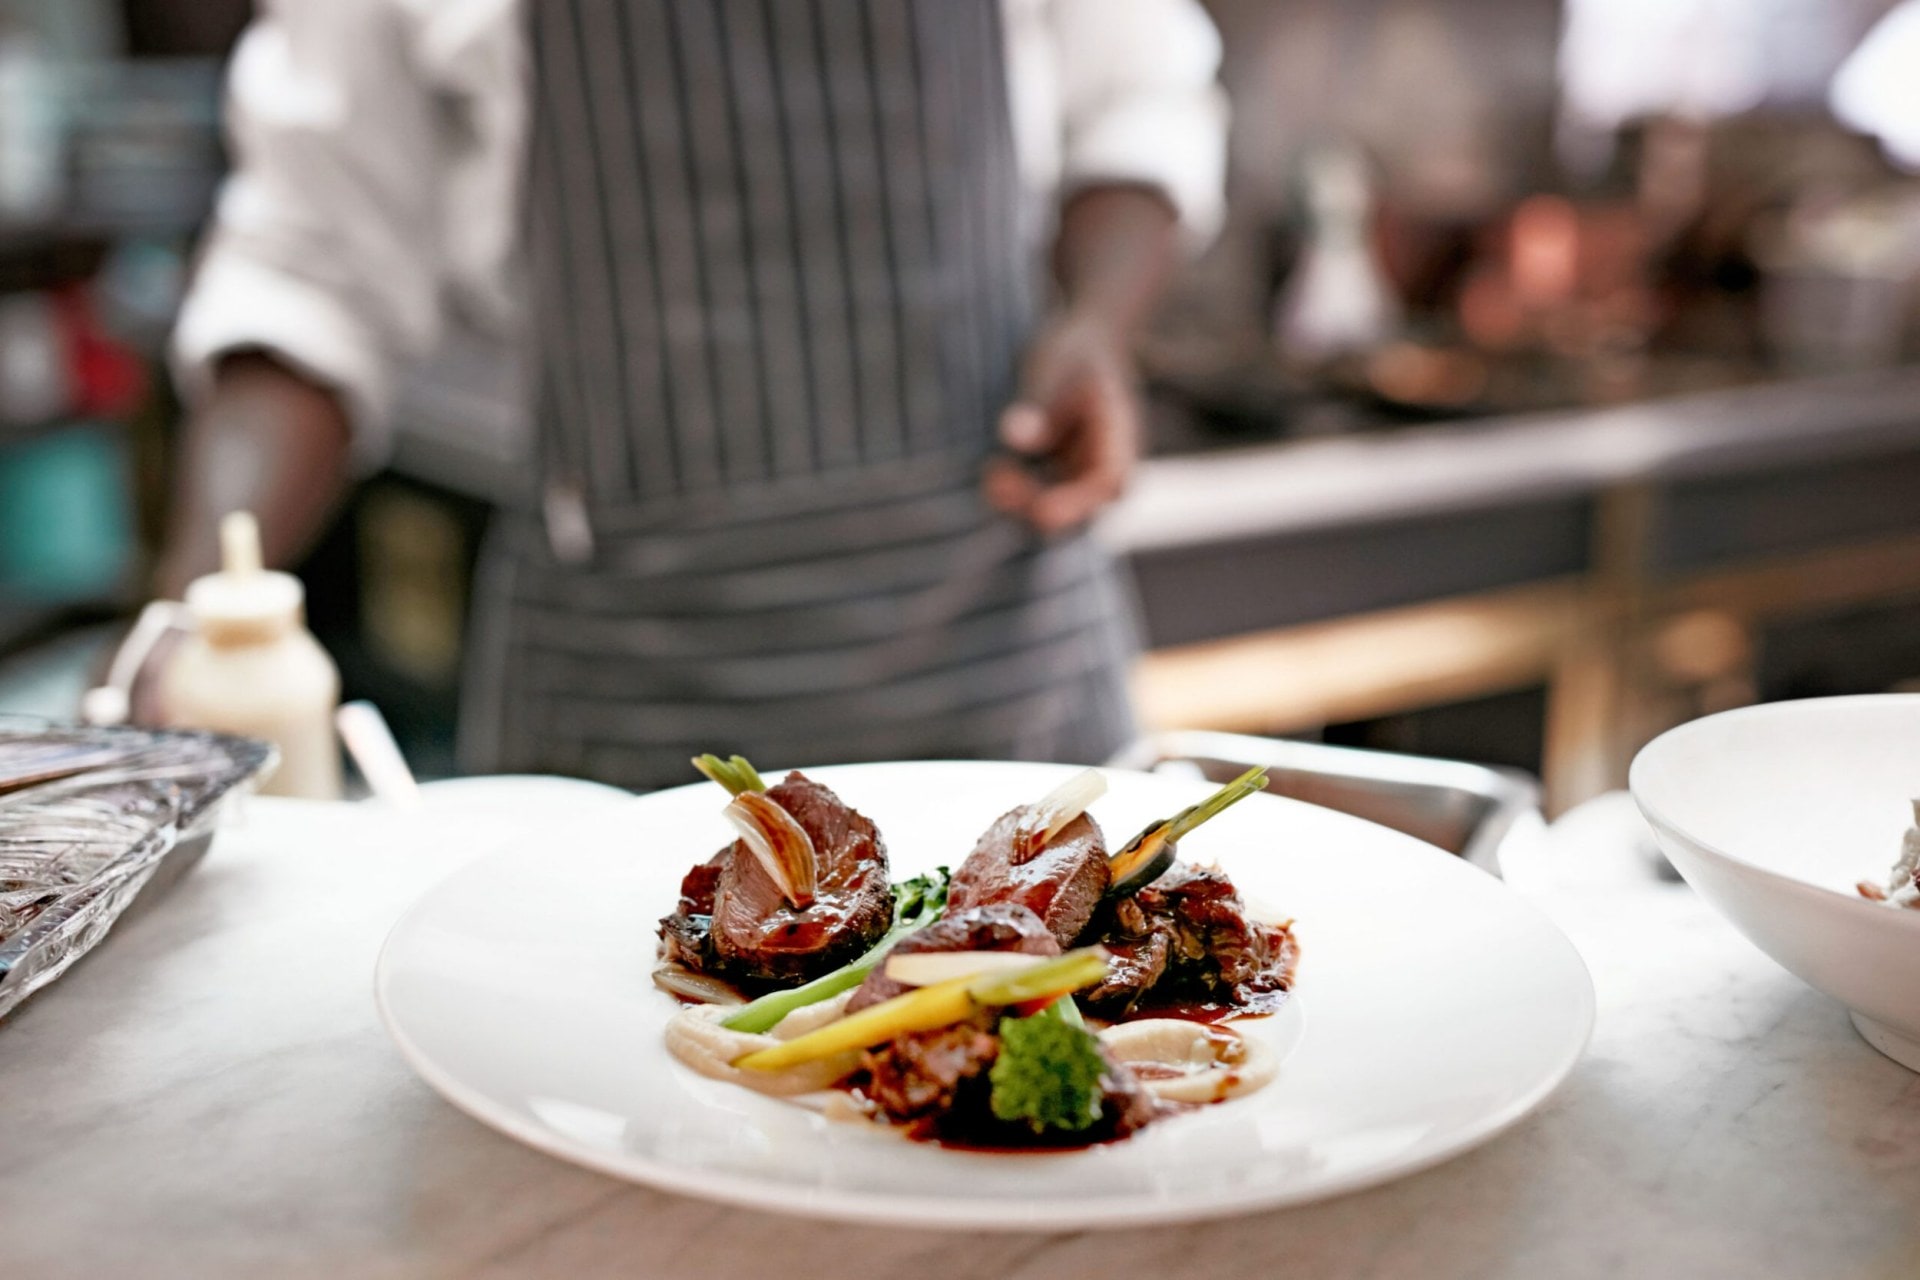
point(920, 901)
point(1047, 1074)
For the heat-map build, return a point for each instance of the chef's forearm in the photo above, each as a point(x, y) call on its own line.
point(266, 440)
point(1114, 253)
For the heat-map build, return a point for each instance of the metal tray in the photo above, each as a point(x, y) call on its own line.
point(1467, 809)
point(92, 820)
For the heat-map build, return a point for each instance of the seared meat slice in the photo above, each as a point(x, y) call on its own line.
point(1128, 1104)
point(686, 935)
point(1003, 926)
point(1194, 918)
point(1062, 884)
point(940, 1079)
point(1137, 960)
point(753, 933)
point(924, 1073)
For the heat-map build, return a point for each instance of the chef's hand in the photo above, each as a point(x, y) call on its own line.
point(1073, 435)
point(1074, 431)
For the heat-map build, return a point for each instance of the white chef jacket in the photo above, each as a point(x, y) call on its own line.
point(379, 149)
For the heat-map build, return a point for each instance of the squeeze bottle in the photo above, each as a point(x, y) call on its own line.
point(249, 666)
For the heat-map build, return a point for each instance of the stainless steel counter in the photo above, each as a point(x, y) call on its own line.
point(1277, 534)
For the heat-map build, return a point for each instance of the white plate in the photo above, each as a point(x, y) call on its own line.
point(1434, 1009)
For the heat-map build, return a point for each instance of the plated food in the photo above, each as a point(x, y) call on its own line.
point(521, 990)
point(1903, 882)
point(1050, 992)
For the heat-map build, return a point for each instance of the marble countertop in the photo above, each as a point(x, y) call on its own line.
point(210, 1094)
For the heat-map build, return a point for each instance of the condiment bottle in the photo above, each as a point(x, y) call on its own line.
point(250, 667)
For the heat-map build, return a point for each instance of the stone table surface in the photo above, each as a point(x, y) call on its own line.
point(211, 1095)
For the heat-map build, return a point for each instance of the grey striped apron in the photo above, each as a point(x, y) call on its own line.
point(781, 287)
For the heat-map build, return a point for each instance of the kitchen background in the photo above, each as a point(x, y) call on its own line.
point(1553, 380)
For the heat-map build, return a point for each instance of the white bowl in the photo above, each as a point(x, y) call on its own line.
point(1773, 813)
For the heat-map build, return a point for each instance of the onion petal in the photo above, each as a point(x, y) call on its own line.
point(779, 843)
point(699, 987)
point(924, 968)
point(1200, 1063)
point(1050, 816)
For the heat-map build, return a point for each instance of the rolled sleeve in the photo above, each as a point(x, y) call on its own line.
point(1140, 102)
point(323, 246)
point(238, 304)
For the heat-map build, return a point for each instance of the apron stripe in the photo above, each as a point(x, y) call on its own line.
point(962, 245)
point(868, 668)
point(685, 427)
point(896, 328)
point(757, 370)
point(915, 302)
point(842, 628)
point(800, 80)
point(560, 396)
point(924, 160)
point(887, 568)
point(597, 352)
point(801, 326)
point(824, 624)
point(832, 88)
point(732, 362)
point(645, 394)
point(660, 432)
point(1034, 671)
point(1042, 716)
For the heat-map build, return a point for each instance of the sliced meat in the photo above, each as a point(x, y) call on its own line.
point(939, 1079)
point(924, 1074)
point(1062, 884)
point(1002, 926)
point(686, 935)
point(1138, 955)
point(1187, 937)
point(752, 933)
point(1128, 1104)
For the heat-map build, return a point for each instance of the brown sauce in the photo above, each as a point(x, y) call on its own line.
point(1264, 1004)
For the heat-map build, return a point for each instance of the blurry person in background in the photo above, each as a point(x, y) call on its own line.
point(1877, 89)
point(815, 444)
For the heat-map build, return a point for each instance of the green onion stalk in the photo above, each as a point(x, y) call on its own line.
point(917, 903)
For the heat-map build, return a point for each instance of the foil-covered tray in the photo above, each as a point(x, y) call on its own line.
point(90, 820)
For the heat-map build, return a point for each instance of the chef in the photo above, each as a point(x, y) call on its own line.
point(816, 444)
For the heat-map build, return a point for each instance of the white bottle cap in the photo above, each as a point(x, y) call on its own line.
point(244, 602)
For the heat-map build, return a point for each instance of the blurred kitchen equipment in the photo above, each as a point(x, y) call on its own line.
point(90, 819)
point(145, 142)
point(66, 533)
point(32, 181)
point(1467, 809)
point(1337, 301)
point(34, 382)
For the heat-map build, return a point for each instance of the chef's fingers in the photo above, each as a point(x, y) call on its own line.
point(1072, 503)
point(1010, 487)
point(1099, 463)
point(1028, 428)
